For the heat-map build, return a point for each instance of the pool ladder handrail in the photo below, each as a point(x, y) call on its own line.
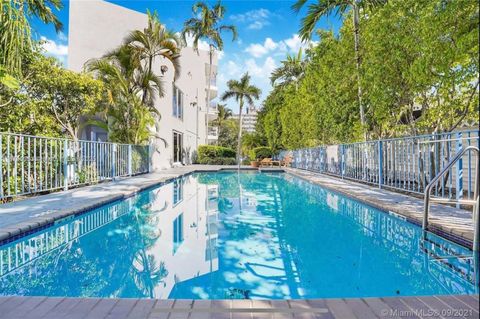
point(475, 202)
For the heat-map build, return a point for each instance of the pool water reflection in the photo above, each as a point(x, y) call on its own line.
point(229, 235)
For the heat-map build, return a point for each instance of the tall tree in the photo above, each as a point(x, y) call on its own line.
point(326, 7)
point(291, 70)
point(206, 25)
point(152, 42)
point(242, 91)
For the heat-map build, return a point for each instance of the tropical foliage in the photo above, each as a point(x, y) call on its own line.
point(261, 152)
point(15, 29)
point(243, 92)
point(228, 133)
point(49, 100)
point(212, 154)
point(324, 8)
point(131, 83)
point(419, 74)
point(68, 95)
point(223, 114)
point(18, 52)
point(291, 70)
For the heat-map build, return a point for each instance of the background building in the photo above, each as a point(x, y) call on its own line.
point(96, 27)
point(249, 119)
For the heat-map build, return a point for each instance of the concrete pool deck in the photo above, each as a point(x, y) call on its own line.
point(453, 306)
point(22, 216)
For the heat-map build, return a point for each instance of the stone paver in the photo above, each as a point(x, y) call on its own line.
point(463, 306)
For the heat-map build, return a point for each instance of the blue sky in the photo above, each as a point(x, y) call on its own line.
point(268, 30)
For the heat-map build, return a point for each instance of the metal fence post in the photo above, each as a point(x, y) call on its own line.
point(129, 160)
point(380, 164)
point(342, 160)
point(65, 164)
point(459, 167)
point(114, 160)
point(149, 157)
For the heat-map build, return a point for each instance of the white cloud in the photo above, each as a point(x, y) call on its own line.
point(232, 70)
point(255, 19)
point(270, 44)
point(295, 43)
point(203, 45)
point(289, 45)
point(260, 70)
point(258, 50)
point(62, 37)
point(57, 50)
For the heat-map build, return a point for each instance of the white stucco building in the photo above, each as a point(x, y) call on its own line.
point(96, 27)
point(249, 119)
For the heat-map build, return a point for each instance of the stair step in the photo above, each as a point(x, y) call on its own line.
point(457, 258)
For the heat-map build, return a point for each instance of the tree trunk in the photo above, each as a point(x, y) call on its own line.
point(144, 95)
point(239, 147)
point(208, 90)
point(358, 63)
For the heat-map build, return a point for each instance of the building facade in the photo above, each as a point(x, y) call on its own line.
point(96, 27)
point(249, 119)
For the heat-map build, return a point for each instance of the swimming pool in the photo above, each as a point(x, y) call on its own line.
point(228, 235)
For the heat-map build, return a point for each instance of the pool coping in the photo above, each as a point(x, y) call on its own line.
point(25, 228)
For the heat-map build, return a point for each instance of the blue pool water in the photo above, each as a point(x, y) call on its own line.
point(229, 235)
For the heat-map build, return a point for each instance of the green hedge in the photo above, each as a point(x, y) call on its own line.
point(261, 152)
point(218, 161)
point(212, 152)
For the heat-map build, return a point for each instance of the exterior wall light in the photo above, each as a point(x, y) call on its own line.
point(163, 69)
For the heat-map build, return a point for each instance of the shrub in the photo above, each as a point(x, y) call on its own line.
point(261, 152)
point(246, 161)
point(213, 151)
point(218, 161)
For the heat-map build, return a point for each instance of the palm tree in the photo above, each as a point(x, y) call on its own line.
point(242, 91)
point(324, 8)
point(206, 25)
point(155, 41)
point(291, 70)
point(15, 28)
point(223, 114)
point(127, 84)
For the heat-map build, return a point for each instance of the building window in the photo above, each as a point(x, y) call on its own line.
point(177, 191)
point(177, 232)
point(177, 102)
point(177, 147)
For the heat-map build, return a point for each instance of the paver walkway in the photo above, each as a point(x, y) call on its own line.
point(461, 306)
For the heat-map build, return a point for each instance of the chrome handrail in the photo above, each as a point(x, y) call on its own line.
point(476, 204)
